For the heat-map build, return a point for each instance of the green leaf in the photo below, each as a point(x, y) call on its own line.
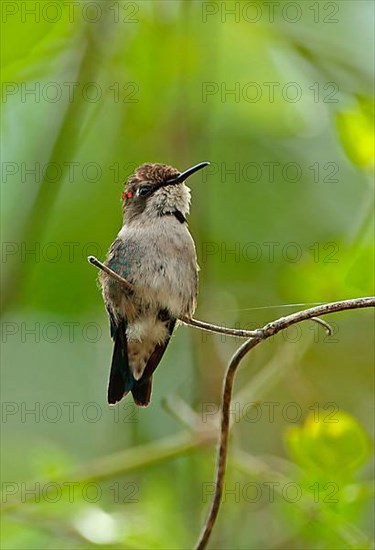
point(335, 446)
point(356, 131)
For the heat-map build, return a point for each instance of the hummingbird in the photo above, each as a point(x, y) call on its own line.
point(155, 252)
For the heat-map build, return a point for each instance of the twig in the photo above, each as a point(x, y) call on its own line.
point(267, 331)
point(94, 261)
point(324, 324)
point(192, 322)
point(209, 327)
point(255, 338)
point(218, 329)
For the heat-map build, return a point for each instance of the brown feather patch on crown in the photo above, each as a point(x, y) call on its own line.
point(153, 173)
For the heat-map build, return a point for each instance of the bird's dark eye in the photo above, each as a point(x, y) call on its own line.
point(144, 190)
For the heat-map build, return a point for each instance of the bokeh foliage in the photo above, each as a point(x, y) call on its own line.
point(172, 80)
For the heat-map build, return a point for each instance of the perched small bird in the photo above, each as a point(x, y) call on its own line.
point(155, 252)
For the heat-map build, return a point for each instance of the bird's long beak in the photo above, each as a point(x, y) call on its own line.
point(184, 175)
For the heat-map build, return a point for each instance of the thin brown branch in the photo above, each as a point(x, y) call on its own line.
point(255, 337)
point(266, 332)
point(324, 324)
point(284, 322)
point(209, 327)
point(240, 333)
point(192, 322)
point(94, 261)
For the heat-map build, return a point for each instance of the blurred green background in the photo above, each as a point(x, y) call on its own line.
point(278, 96)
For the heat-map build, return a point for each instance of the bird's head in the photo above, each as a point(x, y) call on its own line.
point(157, 190)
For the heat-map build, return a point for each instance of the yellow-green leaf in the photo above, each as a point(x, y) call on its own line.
point(333, 444)
point(356, 131)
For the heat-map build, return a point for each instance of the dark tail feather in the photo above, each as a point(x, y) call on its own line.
point(141, 392)
point(120, 378)
point(142, 388)
point(158, 353)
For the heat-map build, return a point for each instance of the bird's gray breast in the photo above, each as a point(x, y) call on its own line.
point(163, 268)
